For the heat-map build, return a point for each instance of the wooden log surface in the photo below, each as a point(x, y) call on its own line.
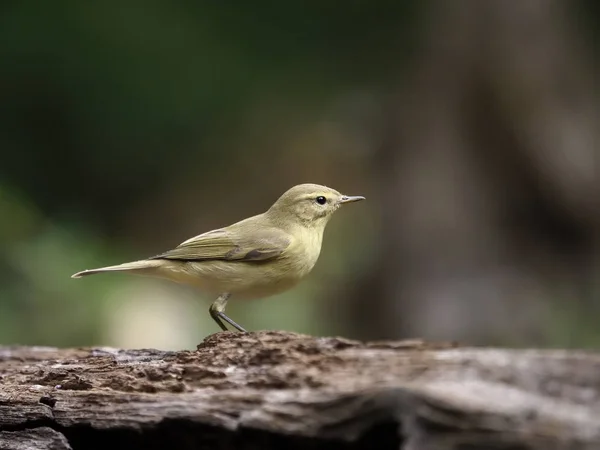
point(272, 390)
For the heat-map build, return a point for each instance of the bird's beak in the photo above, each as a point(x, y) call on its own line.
point(351, 198)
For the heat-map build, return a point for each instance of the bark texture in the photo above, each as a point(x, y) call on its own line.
point(271, 390)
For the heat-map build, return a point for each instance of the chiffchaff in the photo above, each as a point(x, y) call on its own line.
point(256, 257)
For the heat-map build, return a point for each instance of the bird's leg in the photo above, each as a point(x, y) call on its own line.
point(217, 308)
point(217, 312)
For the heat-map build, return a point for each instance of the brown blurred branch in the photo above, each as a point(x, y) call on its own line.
point(489, 180)
point(271, 390)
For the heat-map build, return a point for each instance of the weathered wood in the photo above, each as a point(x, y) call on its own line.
point(41, 438)
point(270, 390)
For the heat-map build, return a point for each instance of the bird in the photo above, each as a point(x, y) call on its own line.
point(257, 257)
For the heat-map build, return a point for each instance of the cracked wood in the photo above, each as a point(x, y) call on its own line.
point(320, 389)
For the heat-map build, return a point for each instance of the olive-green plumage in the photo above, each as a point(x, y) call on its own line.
point(256, 257)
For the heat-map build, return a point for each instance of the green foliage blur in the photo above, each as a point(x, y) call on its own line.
point(128, 127)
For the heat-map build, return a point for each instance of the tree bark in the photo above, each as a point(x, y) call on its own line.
point(269, 390)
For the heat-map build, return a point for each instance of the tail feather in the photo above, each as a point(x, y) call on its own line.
point(134, 266)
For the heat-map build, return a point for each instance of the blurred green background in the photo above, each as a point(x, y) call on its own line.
point(470, 126)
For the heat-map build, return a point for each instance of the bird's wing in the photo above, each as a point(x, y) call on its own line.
point(222, 244)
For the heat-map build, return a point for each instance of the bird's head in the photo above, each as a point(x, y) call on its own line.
point(309, 204)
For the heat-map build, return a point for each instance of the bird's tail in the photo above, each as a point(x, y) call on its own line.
point(135, 266)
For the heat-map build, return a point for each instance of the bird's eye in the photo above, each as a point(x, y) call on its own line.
point(321, 200)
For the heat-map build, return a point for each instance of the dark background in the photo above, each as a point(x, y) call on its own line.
point(471, 126)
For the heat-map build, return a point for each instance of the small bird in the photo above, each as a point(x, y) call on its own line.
point(257, 257)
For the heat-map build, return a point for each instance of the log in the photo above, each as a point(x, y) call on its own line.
point(270, 390)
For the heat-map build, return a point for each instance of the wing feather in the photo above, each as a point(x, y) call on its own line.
point(226, 245)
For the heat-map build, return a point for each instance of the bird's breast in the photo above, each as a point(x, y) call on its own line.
point(306, 249)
